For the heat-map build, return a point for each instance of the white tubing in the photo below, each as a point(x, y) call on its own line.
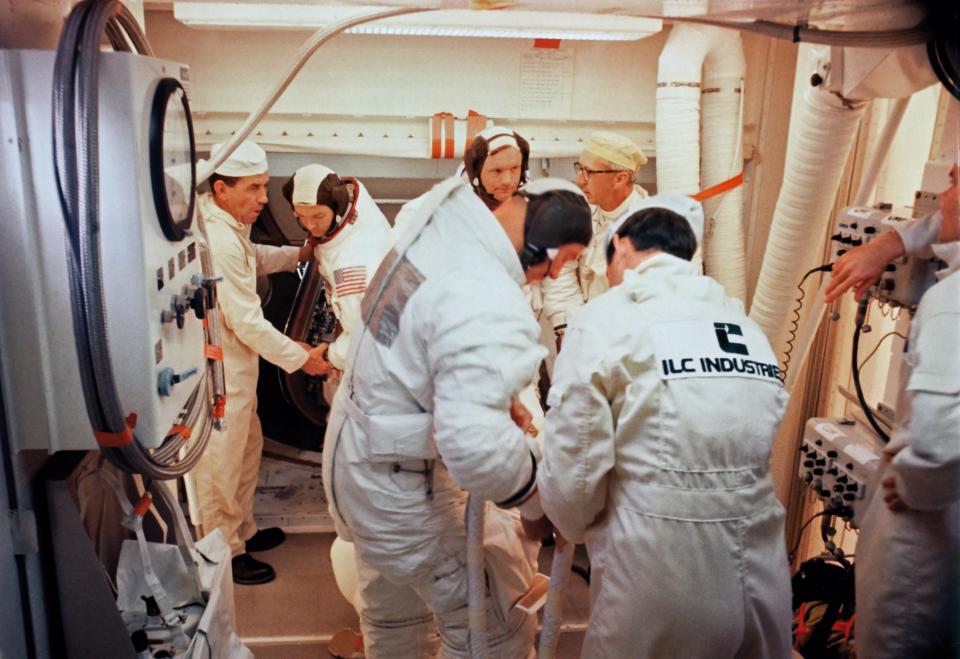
point(476, 578)
point(306, 51)
point(553, 611)
point(816, 308)
point(723, 243)
point(821, 135)
point(678, 110)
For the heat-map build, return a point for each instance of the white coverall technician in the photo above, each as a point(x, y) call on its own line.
point(607, 173)
point(908, 552)
point(422, 418)
point(350, 236)
point(665, 402)
point(226, 475)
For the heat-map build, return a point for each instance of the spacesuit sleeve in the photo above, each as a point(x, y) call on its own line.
point(347, 310)
point(578, 442)
point(482, 350)
point(918, 236)
point(927, 470)
point(272, 259)
point(562, 296)
point(242, 313)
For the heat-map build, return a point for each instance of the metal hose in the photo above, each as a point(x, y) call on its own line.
point(553, 611)
point(476, 578)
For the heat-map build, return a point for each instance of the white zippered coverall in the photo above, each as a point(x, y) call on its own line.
point(421, 418)
point(347, 264)
point(907, 577)
point(665, 401)
point(226, 475)
point(584, 279)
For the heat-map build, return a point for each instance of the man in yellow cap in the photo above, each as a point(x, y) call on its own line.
point(607, 173)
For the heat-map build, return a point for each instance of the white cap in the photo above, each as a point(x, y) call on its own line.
point(248, 159)
point(306, 181)
point(498, 137)
point(684, 206)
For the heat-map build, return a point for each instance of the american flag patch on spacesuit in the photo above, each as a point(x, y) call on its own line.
point(350, 281)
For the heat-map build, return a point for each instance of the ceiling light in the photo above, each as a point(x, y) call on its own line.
point(441, 23)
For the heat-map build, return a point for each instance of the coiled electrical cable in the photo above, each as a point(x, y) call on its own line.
point(795, 321)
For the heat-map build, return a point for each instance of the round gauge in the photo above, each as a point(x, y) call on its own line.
point(172, 154)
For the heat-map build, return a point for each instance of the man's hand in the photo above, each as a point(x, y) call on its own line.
point(522, 417)
point(862, 266)
point(317, 363)
point(537, 529)
point(891, 496)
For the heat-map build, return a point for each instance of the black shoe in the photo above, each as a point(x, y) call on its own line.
point(265, 539)
point(248, 571)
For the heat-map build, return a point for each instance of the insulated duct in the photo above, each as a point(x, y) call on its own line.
point(821, 135)
point(701, 61)
point(723, 243)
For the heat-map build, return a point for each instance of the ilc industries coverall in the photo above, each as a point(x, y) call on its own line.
point(663, 408)
point(908, 561)
point(421, 418)
point(226, 475)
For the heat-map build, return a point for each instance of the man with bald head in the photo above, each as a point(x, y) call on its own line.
point(607, 173)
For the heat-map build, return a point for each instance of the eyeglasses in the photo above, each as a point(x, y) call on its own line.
point(587, 172)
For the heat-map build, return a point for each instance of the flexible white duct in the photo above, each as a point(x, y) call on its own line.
point(689, 50)
point(821, 135)
point(816, 307)
point(723, 236)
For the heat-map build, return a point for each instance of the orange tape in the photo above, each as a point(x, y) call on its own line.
point(219, 407)
point(213, 352)
point(117, 439)
point(183, 431)
point(143, 505)
point(435, 136)
point(448, 149)
point(476, 122)
point(719, 188)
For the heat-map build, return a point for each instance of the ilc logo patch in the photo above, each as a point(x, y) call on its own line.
point(707, 349)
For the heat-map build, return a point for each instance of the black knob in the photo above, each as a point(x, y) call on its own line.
point(831, 453)
point(816, 80)
point(870, 230)
point(849, 497)
point(818, 471)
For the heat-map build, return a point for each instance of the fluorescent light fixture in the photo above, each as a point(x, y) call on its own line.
point(441, 23)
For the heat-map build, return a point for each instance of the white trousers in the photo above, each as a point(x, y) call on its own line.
point(226, 475)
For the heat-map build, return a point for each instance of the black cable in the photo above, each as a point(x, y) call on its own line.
point(855, 367)
point(792, 554)
point(880, 343)
point(795, 321)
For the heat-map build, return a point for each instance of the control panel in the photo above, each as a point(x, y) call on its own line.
point(906, 278)
point(838, 458)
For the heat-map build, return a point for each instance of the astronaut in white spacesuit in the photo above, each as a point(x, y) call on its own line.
point(349, 236)
point(422, 416)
